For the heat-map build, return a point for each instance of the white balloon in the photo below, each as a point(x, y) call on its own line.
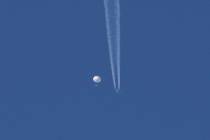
point(97, 79)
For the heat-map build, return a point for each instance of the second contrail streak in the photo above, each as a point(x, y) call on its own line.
point(112, 14)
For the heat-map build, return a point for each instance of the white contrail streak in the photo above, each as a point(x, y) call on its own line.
point(112, 14)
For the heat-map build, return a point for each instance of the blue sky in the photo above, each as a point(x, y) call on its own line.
point(49, 51)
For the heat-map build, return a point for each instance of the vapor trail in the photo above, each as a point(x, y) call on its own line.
point(112, 14)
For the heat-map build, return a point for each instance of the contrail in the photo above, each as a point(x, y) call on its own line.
point(112, 15)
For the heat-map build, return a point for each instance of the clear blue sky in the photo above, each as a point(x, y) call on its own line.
point(49, 51)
